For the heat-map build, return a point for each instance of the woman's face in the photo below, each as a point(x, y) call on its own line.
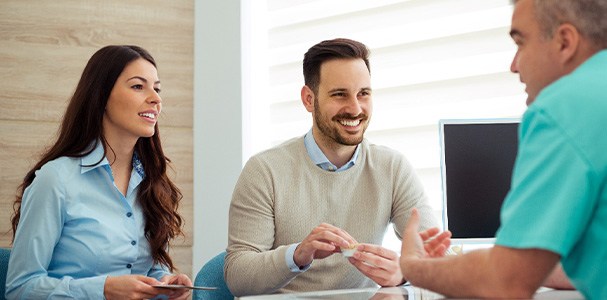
point(134, 104)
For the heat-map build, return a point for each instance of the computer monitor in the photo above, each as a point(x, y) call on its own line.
point(477, 158)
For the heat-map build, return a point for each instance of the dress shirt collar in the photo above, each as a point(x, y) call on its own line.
point(94, 160)
point(321, 160)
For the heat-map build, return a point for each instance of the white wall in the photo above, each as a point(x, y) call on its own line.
point(217, 123)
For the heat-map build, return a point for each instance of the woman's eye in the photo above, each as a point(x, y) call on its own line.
point(137, 87)
point(157, 90)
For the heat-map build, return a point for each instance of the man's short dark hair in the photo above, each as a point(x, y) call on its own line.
point(339, 48)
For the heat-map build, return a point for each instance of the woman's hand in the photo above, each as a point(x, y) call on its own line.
point(182, 279)
point(130, 287)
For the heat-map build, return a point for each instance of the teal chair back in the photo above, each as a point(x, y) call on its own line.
point(211, 274)
point(4, 256)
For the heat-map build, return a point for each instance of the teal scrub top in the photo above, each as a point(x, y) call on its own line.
point(558, 198)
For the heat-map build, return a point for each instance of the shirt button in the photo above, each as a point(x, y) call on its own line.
point(129, 214)
point(128, 266)
point(133, 243)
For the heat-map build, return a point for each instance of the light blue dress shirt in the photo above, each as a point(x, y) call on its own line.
point(321, 160)
point(75, 229)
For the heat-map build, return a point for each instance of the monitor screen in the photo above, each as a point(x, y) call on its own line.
point(477, 157)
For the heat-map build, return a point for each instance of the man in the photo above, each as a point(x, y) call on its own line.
point(295, 206)
point(557, 206)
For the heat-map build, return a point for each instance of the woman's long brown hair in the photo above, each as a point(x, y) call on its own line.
point(82, 127)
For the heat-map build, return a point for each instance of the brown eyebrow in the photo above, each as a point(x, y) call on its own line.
point(345, 90)
point(338, 90)
point(142, 79)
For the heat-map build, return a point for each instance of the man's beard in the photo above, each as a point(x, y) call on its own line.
point(333, 133)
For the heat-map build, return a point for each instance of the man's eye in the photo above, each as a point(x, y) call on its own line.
point(518, 42)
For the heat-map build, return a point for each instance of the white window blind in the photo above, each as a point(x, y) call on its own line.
point(430, 60)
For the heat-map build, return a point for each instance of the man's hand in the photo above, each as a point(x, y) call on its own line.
point(324, 240)
point(378, 263)
point(429, 243)
point(424, 244)
point(435, 244)
point(182, 279)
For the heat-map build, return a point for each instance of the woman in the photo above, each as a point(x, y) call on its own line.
point(95, 215)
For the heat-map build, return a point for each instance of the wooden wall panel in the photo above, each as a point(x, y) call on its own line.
point(17, 155)
point(45, 46)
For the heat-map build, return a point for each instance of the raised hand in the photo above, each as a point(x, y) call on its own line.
point(429, 243)
point(435, 243)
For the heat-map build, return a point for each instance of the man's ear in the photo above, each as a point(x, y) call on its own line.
point(307, 98)
point(568, 38)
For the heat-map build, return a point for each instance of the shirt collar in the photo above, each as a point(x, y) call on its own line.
point(94, 160)
point(321, 160)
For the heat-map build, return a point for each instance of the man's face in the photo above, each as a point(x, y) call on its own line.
point(343, 104)
point(535, 60)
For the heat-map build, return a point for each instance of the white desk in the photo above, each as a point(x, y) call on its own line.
point(395, 293)
point(351, 294)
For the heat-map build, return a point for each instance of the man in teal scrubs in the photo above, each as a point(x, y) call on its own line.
point(556, 209)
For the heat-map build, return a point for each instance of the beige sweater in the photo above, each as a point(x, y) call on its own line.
point(282, 195)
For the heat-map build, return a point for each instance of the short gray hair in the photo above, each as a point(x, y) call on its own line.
point(588, 16)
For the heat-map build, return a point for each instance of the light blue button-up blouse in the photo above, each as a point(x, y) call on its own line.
point(75, 229)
